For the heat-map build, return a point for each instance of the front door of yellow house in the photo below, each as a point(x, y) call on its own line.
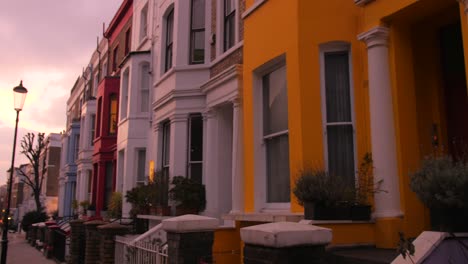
point(455, 90)
point(440, 83)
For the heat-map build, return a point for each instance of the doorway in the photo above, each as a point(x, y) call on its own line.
point(455, 90)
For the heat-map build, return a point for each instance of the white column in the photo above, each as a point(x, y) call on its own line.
point(210, 179)
point(178, 147)
point(237, 161)
point(384, 154)
point(155, 147)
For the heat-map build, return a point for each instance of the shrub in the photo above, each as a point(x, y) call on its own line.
point(188, 193)
point(142, 197)
point(441, 182)
point(115, 205)
point(31, 218)
point(316, 186)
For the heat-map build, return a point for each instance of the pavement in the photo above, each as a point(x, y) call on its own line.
point(20, 252)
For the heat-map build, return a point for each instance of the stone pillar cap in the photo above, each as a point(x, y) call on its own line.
point(95, 222)
point(189, 223)
point(77, 221)
point(286, 234)
point(114, 226)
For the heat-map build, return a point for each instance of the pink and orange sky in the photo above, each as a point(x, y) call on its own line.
point(46, 44)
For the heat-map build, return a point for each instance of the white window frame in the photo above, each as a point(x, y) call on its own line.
point(92, 129)
point(170, 9)
point(96, 84)
point(144, 89)
point(337, 46)
point(121, 167)
point(137, 153)
point(260, 155)
point(125, 94)
point(143, 23)
point(220, 27)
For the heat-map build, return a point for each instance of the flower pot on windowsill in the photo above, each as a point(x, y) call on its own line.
point(322, 212)
point(360, 212)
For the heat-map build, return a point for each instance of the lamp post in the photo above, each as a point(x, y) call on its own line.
point(19, 97)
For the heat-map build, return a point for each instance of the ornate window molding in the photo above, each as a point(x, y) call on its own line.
point(362, 2)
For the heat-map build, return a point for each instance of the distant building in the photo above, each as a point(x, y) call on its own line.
point(50, 158)
point(105, 144)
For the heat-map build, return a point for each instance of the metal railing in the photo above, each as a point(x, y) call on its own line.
point(129, 251)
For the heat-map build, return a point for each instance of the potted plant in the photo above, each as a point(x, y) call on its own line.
point(324, 197)
point(141, 198)
point(84, 205)
point(188, 194)
point(365, 189)
point(115, 205)
point(75, 206)
point(91, 210)
point(441, 184)
point(161, 183)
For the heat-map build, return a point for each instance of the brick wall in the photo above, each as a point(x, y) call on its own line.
point(235, 57)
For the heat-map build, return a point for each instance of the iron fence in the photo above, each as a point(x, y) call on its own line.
point(129, 251)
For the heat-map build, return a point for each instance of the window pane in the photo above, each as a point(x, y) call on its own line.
point(229, 31)
point(166, 143)
point(341, 152)
point(113, 115)
point(141, 165)
point(337, 87)
point(170, 27)
point(143, 22)
point(196, 172)
point(275, 101)
point(108, 184)
point(198, 47)
point(93, 129)
point(196, 138)
point(145, 83)
point(198, 14)
point(229, 6)
point(278, 190)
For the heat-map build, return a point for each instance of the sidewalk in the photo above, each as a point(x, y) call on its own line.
point(20, 252)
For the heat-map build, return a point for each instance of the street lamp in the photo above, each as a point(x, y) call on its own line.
point(19, 98)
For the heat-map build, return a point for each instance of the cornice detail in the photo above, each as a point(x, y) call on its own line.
point(362, 2)
point(377, 36)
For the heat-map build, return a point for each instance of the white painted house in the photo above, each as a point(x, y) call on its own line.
point(134, 125)
point(94, 73)
point(196, 114)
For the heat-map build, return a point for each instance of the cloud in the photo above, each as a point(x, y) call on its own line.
point(46, 44)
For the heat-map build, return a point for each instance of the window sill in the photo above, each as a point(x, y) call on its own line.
point(265, 217)
point(334, 222)
point(228, 52)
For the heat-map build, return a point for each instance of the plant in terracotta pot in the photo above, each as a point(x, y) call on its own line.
point(114, 208)
point(91, 210)
point(365, 188)
point(84, 205)
point(441, 184)
point(188, 194)
point(140, 198)
point(324, 197)
point(161, 183)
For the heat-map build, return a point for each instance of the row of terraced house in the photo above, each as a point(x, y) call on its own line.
point(243, 95)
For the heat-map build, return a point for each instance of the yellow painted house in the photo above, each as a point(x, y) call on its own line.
point(325, 82)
